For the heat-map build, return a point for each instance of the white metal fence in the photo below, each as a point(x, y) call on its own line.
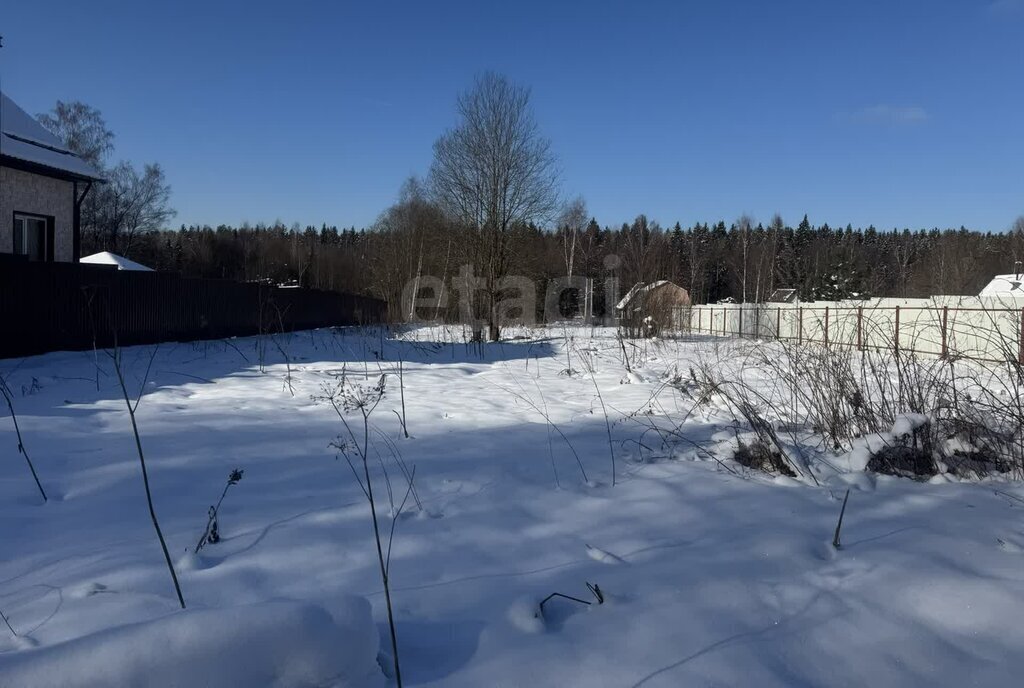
point(980, 328)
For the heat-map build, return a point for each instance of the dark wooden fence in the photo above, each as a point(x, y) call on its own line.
point(65, 306)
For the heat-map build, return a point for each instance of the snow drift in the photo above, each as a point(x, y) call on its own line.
point(286, 644)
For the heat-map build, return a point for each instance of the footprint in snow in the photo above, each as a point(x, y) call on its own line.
point(1009, 546)
point(89, 589)
point(602, 556)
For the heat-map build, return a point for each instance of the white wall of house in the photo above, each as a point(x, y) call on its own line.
point(23, 192)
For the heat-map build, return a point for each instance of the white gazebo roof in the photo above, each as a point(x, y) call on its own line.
point(108, 258)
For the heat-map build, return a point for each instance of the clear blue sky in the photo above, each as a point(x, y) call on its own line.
point(885, 112)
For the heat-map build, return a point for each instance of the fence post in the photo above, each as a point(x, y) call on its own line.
point(826, 326)
point(800, 326)
point(778, 324)
point(1020, 340)
point(699, 312)
point(945, 317)
point(860, 328)
point(897, 330)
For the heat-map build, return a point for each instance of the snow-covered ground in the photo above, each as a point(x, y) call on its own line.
point(711, 575)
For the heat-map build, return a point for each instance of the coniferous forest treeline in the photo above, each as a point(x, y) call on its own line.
point(742, 260)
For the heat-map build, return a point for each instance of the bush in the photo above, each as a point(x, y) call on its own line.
point(760, 457)
point(906, 462)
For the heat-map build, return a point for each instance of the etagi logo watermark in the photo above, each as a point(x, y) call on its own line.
point(425, 297)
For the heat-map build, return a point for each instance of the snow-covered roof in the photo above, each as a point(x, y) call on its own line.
point(25, 139)
point(783, 296)
point(1005, 285)
point(108, 258)
point(638, 288)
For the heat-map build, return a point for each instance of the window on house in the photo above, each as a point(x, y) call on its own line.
point(30, 236)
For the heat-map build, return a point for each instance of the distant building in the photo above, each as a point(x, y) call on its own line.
point(652, 306)
point(42, 186)
point(108, 258)
point(783, 296)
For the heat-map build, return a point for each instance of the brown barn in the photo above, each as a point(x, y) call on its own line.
point(651, 307)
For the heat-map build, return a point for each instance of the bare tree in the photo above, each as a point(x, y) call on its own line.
point(697, 254)
point(128, 205)
point(775, 229)
point(571, 224)
point(904, 254)
point(132, 202)
point(408, 235)
point(1017, 239)
point(82, 129)
point(643, 251)
point(743, 225)
point(493, 172)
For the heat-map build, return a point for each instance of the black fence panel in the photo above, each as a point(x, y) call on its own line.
point(68, 306)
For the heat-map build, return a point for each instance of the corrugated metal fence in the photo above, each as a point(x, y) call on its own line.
point(963, 327)
point(65, 306)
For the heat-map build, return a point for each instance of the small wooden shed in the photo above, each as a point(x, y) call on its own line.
point(651, 307)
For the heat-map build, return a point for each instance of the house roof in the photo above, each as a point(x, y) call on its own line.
point(782, 296)
point(108, 258)
point(638, 288)
point(1005, 285)
point(23, 138)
